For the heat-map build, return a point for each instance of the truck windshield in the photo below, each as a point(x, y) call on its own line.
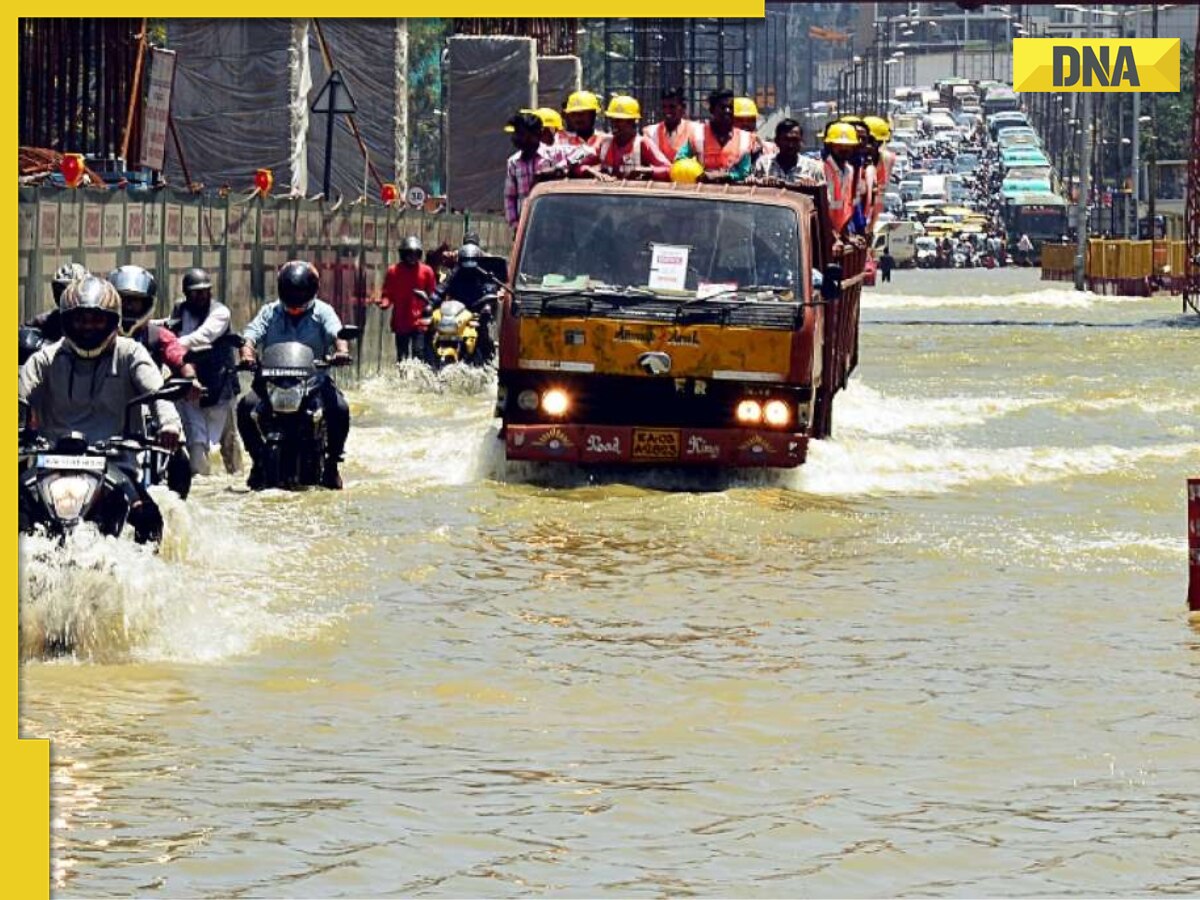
point(673, 246)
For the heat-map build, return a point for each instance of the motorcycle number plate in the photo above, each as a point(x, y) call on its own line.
point(88, 463)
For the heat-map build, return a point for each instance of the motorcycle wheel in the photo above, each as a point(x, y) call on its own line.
point(272, 466)
point(311, 461)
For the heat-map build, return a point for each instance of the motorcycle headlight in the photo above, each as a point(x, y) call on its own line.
point(448, 326)
point(69, 495)
point(285, 398)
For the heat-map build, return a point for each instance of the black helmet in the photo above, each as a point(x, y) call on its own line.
point(196, 280)
point(472, 237)
point(64, 276)
point(137, 288)
point(411, 244)
point(469, 256)
point(96, 295)
point(298, 283)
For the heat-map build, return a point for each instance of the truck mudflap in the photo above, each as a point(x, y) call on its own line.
point(634, 445)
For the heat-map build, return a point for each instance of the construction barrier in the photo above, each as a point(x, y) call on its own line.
point(1129, 268)
point(1058, 262)
point(239, 240)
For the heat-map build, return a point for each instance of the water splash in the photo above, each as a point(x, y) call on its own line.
point(1052, 298)
point(206, 594)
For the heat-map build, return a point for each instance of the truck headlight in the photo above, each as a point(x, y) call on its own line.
point(749, 412)
point(776, 413)
point(555, 402)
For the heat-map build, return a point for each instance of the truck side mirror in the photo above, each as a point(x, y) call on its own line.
point(831, 282)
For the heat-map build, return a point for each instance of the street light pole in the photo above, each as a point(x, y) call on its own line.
point(1152, 167)
point(1085, 165)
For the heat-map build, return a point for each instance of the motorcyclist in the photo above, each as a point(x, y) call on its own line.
point(203, 326)
point(297, 316)
point(49, 323)
point(471, 285)
point(137, 289)
point(84, 383)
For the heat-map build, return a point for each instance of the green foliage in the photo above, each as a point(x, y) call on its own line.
point(1173, 122)
point(426, 163)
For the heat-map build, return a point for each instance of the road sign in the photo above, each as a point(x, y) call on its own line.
point(335, 96)
point(415, 196)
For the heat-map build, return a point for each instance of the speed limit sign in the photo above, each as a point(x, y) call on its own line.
point(415, 196)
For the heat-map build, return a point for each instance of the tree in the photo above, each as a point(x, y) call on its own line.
point(426, 110)
point(1173, 126)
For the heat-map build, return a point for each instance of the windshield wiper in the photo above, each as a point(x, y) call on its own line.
point(607, 292)
point(740, 289)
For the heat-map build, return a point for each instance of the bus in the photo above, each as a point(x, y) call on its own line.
point(1041, 215)
point(1000, 99)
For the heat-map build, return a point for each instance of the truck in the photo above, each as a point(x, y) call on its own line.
point(900, 237)
point(669, 324)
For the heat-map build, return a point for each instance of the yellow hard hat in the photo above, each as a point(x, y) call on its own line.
point(583, 101)
point(686, 171)
point(744, 108)
point(842, 133)
point(853, 120)
point(550, 118)
point(879, 128)
point(623, 107)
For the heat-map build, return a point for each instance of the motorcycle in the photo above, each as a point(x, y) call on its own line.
point(68, 482)
point(290, 413)
point(459, 335)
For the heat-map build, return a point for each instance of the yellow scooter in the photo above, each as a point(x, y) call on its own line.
point(454, 335)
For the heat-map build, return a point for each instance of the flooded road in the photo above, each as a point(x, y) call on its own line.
point(950, 656)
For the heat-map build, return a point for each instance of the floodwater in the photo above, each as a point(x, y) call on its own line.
point(950, 656)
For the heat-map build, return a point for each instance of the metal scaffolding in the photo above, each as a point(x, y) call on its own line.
point(75, 81)
point(642, 57)
point(555, 37)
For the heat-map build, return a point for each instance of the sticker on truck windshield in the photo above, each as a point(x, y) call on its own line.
point(668, 267)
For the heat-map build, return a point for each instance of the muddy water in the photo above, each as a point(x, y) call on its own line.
point(948, 657)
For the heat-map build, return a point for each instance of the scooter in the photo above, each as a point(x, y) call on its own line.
point(290, 413)
point(64, 484)
point(460, 335)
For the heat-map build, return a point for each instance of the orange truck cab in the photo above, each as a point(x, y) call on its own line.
point(671, 324)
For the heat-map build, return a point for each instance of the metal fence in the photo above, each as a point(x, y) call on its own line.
point(239, 240)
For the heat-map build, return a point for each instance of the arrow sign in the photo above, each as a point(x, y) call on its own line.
point(335, 96)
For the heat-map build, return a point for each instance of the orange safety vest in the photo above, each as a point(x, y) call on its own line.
point(838, 186)
point(883, 175)
point(609, 155)
point(712, 154)
point(666, 143)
